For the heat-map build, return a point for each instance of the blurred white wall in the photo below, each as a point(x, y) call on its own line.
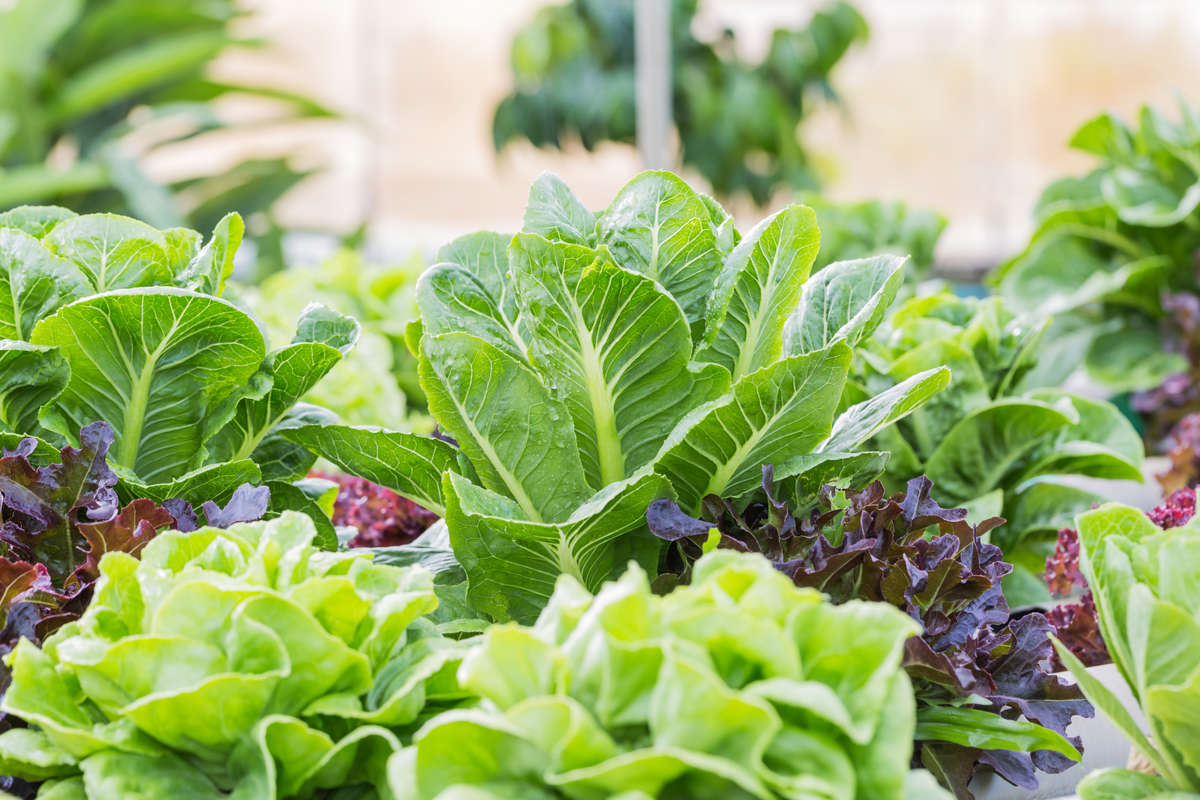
point(963, 105)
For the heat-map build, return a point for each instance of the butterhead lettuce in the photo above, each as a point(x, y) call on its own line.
point(242, 663)
point(740, 685)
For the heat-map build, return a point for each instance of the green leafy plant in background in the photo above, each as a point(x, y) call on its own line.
point(991, 441)
point(230, 663)
point(1143, 580)
point(90, 89)
point(1111, 245)
point(105, 318)
point(573, 67)
point(376, 383)
point(739, 685)
point(876, 227)
point(594, 363)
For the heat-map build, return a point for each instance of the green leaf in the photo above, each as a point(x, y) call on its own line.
point(159, 366)
point(33, 283)
point(294, 370)
point(615, 346)
point(113, 252)
point(758, 288)
point(208, 270)
point(513, 564)
point(986, 445)
point(475, 392)
point(30, 377)
point(553, 211)
point(215, 482)
point(36, 221)
point(658, 226)
point(1112, 783)
point(454, 299)
point(1110, 705)
point(406, 463)
point(972, 727)
point(782, 410)
point(863, 420)
point(845, 301)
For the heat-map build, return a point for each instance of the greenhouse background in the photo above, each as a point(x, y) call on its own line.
point(965, 107)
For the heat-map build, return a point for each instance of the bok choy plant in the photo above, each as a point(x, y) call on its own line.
point(595, 362)
point(106, 319)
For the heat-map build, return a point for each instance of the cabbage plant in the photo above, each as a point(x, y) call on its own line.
point(105, 318)
point(739, 685)
point(241, 663)
point(595, 362)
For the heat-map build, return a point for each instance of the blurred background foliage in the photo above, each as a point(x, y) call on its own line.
point(89, 89)
point(738, 122)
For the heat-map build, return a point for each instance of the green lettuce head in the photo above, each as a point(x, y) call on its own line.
point(239, 663)
point(738, 686)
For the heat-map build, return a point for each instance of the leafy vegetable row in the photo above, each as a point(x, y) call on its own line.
point(248, 663)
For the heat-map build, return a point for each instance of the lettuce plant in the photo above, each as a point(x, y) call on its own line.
point(380, 517)
point(230, 663)
point(989, 442)
point(105, 318)
point(739, 685)
point(985, 699)
point(1143, 579)
point(573, 66)
point(596, 362)
point(1108, 244)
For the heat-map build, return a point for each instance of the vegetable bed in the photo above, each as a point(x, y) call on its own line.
point(707, 513)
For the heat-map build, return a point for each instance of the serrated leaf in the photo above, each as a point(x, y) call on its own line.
point(553, 211)
point(863, 420)
point(658, 226)
point(512, 563)
point(114, 252)
point(475, 392)
point(34, 283)
point(30, 377)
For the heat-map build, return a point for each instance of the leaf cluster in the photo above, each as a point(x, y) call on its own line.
point(596, 362)
point(992, 441)
point(1110, 243)
point(105, 318)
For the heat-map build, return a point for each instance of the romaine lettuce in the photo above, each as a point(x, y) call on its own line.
point(636, 357)
point(1147, 594)
point(108, 319)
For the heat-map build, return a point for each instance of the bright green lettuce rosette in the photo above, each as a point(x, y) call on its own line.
point(240, 663)
point(738, 686)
